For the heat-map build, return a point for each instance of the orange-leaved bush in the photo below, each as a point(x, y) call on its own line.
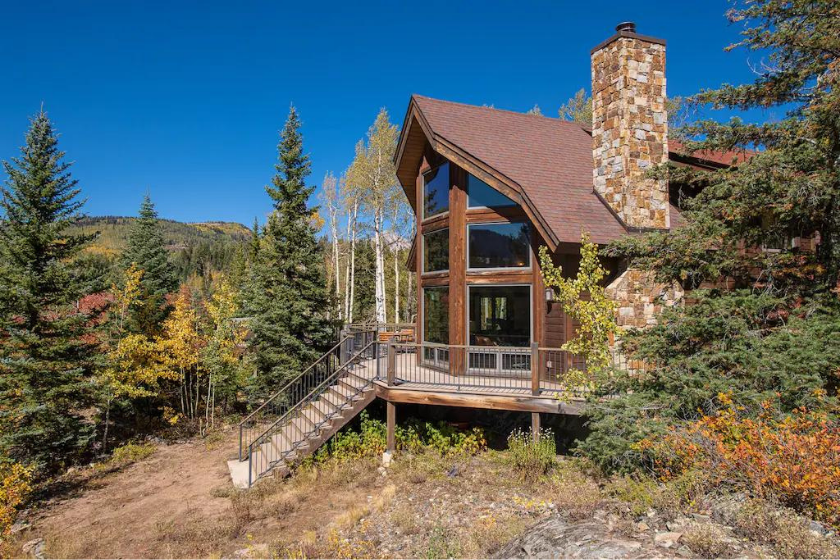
point(793, 458)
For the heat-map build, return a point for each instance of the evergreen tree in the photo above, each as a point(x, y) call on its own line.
point(762, 236)
point(290, 301)
point(146, 250)
point(46, 363)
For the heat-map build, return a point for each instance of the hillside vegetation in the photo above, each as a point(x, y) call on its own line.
point(113, 233)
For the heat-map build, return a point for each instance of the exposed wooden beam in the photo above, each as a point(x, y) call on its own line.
point(521, 403)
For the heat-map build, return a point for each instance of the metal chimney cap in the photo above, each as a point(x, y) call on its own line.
point(628, 26)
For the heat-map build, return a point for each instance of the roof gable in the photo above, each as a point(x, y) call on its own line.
point(543, 164)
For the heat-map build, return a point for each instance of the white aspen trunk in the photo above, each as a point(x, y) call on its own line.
point(352, 286)
point(336, 265)
point(396, 285)
point(379, 272)
point(347, 273)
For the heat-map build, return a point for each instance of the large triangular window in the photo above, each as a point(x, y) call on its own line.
point(482, 195)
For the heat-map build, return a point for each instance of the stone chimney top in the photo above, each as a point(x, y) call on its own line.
point(630, 127)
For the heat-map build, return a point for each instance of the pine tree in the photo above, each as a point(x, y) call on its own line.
point(146, 250)
point(764, 233)
point(46, 363)
point(291, 301)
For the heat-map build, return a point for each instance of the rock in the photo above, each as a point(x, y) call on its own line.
point(383, 471)
point(685, 551)
point(34, 548)
point(677, 524)
point(454, 471)
point(668, 539)
point(642, 527)
point(19, 526)
point(557, 538)
point(818, 528)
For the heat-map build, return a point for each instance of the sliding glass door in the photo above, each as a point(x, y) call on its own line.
point(500, 319)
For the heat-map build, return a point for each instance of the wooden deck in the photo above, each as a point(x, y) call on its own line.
point(418, 384)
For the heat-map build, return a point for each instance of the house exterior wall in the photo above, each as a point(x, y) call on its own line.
point(458, 278)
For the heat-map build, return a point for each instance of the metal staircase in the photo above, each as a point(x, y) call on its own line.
point(295, 421)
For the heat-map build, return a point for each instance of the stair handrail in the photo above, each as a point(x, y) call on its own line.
point(243, 424)
point(270, 430)
point(293, 380)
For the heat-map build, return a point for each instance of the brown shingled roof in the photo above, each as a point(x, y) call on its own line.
point(547, 160)
point(550, 159)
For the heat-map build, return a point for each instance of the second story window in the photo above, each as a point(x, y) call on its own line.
point(503, 245)
point(436, 191)
point(436, 251)
point(482, 195)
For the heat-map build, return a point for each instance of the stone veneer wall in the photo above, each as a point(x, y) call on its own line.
point(641, 299)
point(630, 128)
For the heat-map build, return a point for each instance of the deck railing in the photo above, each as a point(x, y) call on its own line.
point(503, 369)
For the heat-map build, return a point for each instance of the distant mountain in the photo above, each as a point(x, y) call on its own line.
point(114, 230)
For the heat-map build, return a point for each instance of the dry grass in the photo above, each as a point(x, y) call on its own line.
point(707, 541)
point(785, 532)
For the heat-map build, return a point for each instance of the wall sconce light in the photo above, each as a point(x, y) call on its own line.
point(549, 295)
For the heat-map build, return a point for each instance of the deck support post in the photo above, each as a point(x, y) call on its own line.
point(535, 426)
point(391, 425)
point(392, 363)
point(535, 368)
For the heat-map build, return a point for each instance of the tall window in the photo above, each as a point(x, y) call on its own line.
point(482, 195)
point(504, 245)
point(436, 191)
point(436, 314)
point(436, 251)
point(500, 320)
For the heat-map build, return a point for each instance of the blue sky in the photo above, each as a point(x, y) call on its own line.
point(185, 99)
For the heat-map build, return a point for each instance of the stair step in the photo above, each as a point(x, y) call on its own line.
point(302, 428)
point(314, 414)
point(348, 392)
point(335, 398)
point(325, 407)
point(354, 382)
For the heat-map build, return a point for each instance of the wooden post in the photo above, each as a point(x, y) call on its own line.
point(392, 363)
point(535, 369)
point(391, 422)
point(535, 426)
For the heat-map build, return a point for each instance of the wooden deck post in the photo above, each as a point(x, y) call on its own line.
point(535, 369)
point(391, 424)
point(535, 426)
point(392, 363)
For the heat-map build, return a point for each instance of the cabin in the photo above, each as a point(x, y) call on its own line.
point(488, 188)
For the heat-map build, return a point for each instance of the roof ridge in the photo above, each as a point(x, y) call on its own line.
point(552, 119)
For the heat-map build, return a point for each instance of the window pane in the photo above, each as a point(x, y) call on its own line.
point(481, 195)
point(436, 315)
point(500, 316)
point(499, 245)
point(436, 191)
point(436, 251)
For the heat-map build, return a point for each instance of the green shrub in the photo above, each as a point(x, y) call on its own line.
point(414, 436)
point(532, 459)
point(128, 454)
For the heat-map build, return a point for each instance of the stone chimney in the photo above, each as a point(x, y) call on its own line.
point(630, 126)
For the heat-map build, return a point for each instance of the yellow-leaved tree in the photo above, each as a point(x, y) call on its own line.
point(222, 357)
point(133, 367)
point(180, 344)
point(584, 299)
